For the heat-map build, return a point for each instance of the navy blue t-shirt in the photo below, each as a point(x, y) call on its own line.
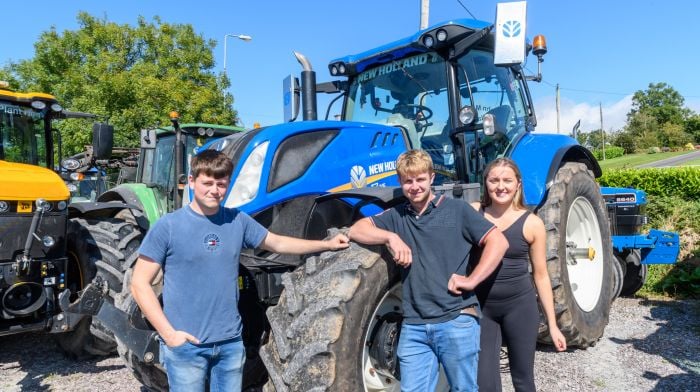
point(440, 242)
point(200, 255)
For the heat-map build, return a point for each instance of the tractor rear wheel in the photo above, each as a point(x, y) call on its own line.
point(96, 248)
point(336, 325)
point(579, 255)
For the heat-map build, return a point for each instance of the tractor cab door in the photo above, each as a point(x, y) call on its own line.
point(494, 90)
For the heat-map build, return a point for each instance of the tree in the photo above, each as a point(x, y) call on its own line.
point(132, 76)
point(625, 140)
point(660, 101)
point(593, 140)
point(692, 127)
point(644, 130)
point(673, 135)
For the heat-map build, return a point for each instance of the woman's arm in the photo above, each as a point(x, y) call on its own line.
point(536, 235)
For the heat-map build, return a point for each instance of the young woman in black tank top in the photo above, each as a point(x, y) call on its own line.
point(507, 297)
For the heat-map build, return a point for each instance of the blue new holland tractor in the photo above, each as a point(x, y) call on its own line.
point(332, 321)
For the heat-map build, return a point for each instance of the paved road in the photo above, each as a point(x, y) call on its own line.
point(674, 161)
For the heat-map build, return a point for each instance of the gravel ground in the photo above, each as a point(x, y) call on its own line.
point(649, 345)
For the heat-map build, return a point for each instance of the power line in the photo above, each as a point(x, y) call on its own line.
point(466, 9)
point(553, 85)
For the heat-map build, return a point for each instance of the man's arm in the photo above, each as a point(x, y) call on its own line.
point(297, 246)
point(365, 232)
point(495, 245)
point(145, 271)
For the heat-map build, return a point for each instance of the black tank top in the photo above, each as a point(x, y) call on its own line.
point(516, 260)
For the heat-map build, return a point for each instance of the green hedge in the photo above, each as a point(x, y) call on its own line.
point(683, 182)
point(610, 153)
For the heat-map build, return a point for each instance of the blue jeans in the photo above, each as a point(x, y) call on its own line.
point(453, 344)
point(189, 366)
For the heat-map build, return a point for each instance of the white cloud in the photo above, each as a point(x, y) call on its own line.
point(614, 115)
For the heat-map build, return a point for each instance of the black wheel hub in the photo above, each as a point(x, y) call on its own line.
point(383, 343)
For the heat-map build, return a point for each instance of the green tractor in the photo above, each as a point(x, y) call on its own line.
point(152, 187)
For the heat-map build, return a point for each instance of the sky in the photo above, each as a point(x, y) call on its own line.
point(600, 51)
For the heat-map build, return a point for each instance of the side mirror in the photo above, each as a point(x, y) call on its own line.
point(148, 138)
point(102, 140)
point(290, 98)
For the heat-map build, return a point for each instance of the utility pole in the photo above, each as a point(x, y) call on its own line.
point(424, 11)
point(602, 132)
point(557, 107)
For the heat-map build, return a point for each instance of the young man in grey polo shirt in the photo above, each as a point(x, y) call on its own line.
point(431, 237)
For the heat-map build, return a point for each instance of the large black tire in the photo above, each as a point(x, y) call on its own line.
point(574, 210)
point(153, 377)
point(323, 318)
point(635, 275)
point(96, 248)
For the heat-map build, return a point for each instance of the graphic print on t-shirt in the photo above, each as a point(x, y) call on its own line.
point(211, 242)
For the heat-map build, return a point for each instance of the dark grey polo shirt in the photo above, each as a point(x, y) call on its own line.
point(440, 241)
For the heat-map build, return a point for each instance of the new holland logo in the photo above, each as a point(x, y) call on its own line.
point(358, 177)
point(511, 29)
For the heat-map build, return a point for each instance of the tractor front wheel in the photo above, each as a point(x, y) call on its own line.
point(635, 274)
point(336, 326)
point(96, 248)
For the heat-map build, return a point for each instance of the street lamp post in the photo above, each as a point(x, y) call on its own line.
point(242, 37)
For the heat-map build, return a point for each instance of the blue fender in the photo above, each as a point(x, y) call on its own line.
point(539, 156)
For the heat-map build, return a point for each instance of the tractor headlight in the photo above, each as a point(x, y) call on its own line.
point(48, 241)
point(44, 205)
point(72, 187)
point(489, 122)
point(70, 163)
point(62, 205)
point(246, 186)
point(4, 207)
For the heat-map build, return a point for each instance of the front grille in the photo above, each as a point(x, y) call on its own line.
point(14, 229)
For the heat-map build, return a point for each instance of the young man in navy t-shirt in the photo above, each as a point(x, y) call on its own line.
point(198, 248)
point(431, 237)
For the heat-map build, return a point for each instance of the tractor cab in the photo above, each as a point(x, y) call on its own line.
point(463, 106)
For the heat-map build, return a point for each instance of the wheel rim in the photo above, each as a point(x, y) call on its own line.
point(380, 380)
point(585, 273)
point(375, 379)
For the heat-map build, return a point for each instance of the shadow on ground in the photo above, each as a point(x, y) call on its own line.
point(677, 340)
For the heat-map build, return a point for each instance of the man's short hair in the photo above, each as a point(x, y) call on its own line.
point(414, 162)
point(211, 163)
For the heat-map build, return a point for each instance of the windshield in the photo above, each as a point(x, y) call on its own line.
point(410, 93)
point(22, 137)
point(158, 164)
point(494, 90)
